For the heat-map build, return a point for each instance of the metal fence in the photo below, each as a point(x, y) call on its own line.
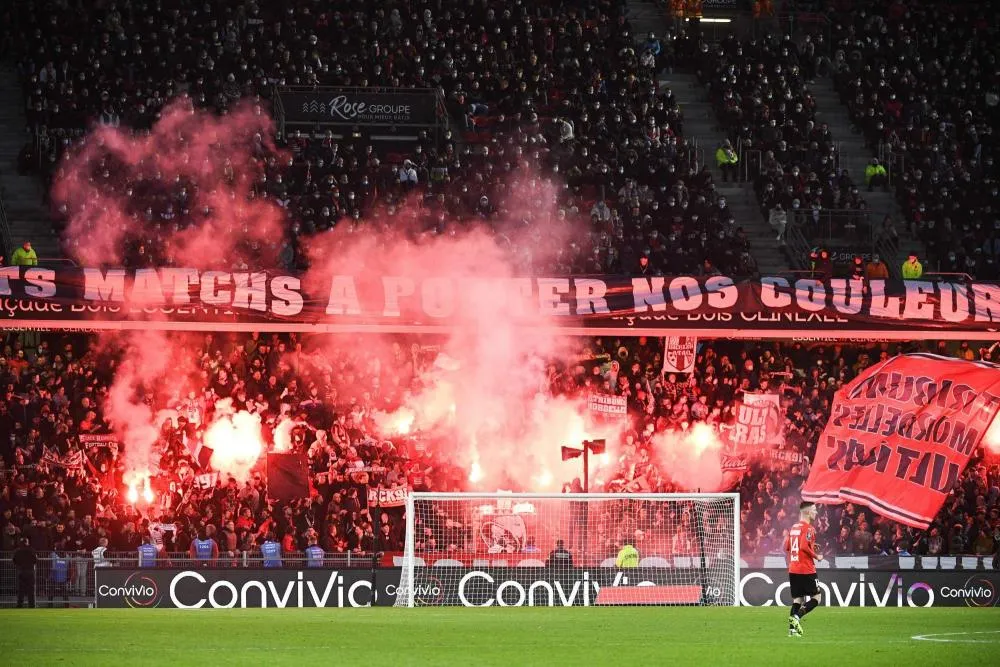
point(894, 161)
point(6, 240)
point(79, 589)
point(823, 227)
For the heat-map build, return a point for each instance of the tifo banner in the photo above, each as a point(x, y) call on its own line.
point(786, 457)
point(607, 405)
point(352, 106)
point(225, 589)
point(854, 588)
point(901, 433)
point(206, 480)
point(382, 497)
point(679, 353)
point(758, 425)
point(218, 300)
point(90, 439)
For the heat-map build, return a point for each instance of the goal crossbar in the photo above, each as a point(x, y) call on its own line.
point(507, 534)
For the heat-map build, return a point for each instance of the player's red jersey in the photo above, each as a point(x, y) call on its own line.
point(800, 545)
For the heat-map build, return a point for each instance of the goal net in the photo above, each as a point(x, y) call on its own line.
point(524, 549)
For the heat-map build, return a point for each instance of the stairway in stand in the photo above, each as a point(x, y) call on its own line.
point(700, 125)
point(22, 194)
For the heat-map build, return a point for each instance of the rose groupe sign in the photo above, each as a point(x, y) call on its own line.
point(332, 106)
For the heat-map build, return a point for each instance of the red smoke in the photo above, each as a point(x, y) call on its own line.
point(235, 440)
point(488, 398)
point(691, 458)
point(107, 184)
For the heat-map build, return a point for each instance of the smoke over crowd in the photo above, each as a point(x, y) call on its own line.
point(488, 399)
point(489, 403)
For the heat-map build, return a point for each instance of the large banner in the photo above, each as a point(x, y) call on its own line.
point(758, 426)
point(604, 404)
point(354, 106)
point(901, 433)
point(679, 354)
point(190, 299)
point(382, 497)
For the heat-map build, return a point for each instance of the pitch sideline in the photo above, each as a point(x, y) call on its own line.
point(936, 637)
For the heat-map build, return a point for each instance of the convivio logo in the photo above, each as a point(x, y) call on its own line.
point(138, 591)
point(976, 592)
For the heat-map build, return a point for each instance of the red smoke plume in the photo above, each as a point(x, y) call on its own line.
point(117, 187)
point(488, 397)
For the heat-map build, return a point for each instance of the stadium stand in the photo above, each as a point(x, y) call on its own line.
point(52, 396)
point(557, 88)
point(534, 89)
point(920, 82)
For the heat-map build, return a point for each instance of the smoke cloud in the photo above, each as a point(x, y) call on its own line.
point(181, 193)
point(488, 399)
point(235, 440)
point(692, 457)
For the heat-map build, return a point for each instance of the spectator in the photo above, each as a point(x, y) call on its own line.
point(778, 220)
point(876, 269)
point(24, 256)
point(912, 268)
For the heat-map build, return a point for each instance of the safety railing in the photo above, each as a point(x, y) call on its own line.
point(797, 248)
point(894, 161)
point(76, 588)
point(6, 239)
point(826, 226)
point(948, 276)
point(750, 165)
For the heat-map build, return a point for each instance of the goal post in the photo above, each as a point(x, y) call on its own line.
point(551, 549)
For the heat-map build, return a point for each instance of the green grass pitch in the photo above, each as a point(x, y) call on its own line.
point(509, 637)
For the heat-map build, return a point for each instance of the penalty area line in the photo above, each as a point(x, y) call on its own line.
point(947, 637)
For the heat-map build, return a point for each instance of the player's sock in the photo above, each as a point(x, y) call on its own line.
point(795, 609)
point(808, 607)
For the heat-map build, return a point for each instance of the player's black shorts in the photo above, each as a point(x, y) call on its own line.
point(802, 585)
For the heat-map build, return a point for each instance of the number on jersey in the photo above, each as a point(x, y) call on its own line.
point(795, 549)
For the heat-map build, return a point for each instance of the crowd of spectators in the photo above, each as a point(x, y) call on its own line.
point(920, 81)
point(552, 89)
point(759, 89)
point(56, 391)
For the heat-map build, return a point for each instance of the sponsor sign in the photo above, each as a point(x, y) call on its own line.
point(531, 587)
point(853, 588)
point(545, 587)
point(607, 405)
point(226, 589)
point(901, 433)
point(352, 106)
point(772, 305)
point(679, 354)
